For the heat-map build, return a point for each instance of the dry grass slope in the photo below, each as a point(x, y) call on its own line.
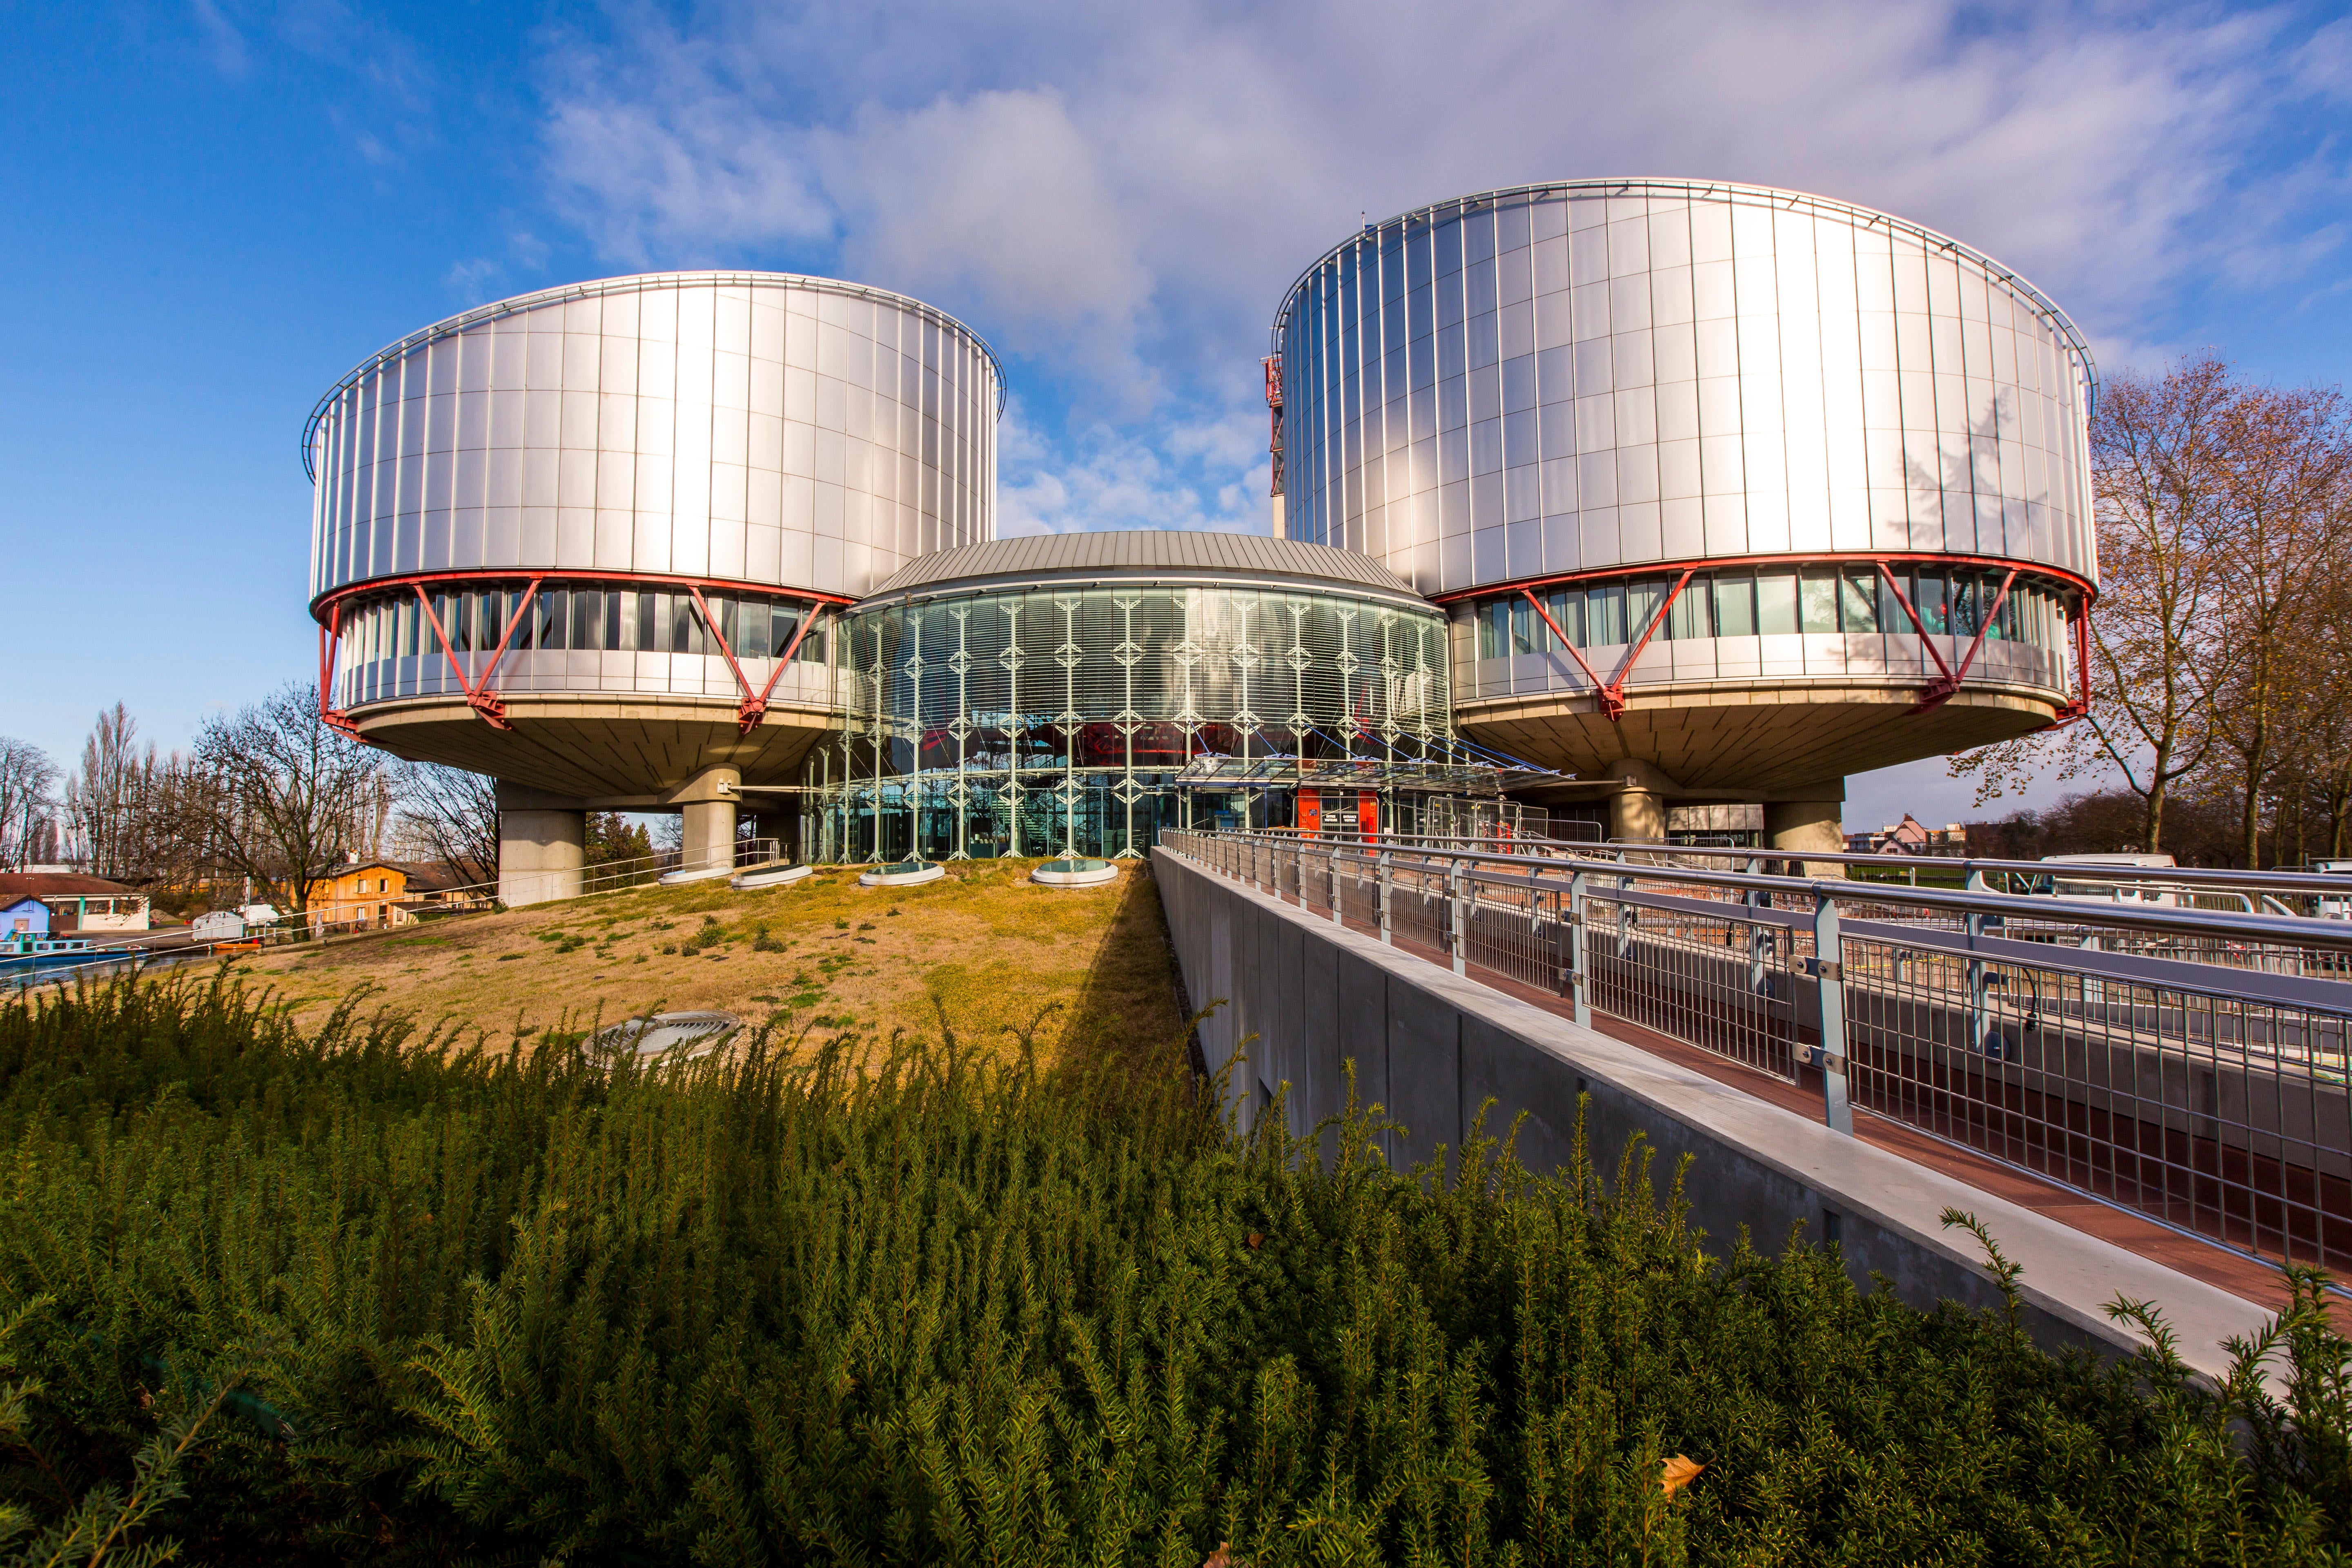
point(992, 948)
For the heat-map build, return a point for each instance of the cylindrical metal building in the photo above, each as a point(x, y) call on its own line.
point(1728, 491)
point(590, 540)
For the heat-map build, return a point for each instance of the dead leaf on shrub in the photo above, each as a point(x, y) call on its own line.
point(1254, 1239)
point(1681, 1470)
point(1223, 1557)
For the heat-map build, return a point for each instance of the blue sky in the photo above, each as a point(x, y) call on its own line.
point(214, 208)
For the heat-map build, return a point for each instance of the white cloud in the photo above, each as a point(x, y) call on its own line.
point(1106, 476)
point(1117, 196)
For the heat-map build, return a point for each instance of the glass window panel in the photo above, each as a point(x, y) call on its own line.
point(1740, 602)
point(588, 618)
point(757, 627)
point(1858, 601)
point(1690, 615)
point(1817, 609)
point(1931, 599)
point(1642, 598)
point(1604, 615)
point(554, 617)
point(1891, 616)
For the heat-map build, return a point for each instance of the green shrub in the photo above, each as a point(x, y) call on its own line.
point(936, 1307)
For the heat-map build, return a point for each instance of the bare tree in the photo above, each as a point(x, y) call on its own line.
point(29, 784)
point(2289, 456)
point(2162, 476)
point(293, 794)
point(452, 818)
point(104, 796)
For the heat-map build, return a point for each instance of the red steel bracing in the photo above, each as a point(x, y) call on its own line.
point(754, 709)
point(1611, 691)
point(651, 581)
point(1612, 696)
point(1573, 651)
point(2081, 707)
point(331, 640)
point(1938, 692)
point(1918, 625)
point(481, 696)
point(1825, 558)
point(1274, 406)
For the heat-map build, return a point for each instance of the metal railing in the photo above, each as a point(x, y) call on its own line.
point(2190, 1064)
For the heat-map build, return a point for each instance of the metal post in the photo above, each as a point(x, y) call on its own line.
point(1388, 895)
point(1828, 984)
point(1333, 861)
point(1979, 1014)
point(1576, 949)
point(1459, 936)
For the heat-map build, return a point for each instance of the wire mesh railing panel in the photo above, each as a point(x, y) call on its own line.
point(2221, 1114)
point(1314, 889)
point(1726, 984)
point(1514, 929)
point(1360, 889)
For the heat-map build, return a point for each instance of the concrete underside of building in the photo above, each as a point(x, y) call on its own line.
point(615, 754)
point(1750, 741)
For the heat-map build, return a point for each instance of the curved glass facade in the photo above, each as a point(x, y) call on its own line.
point(749, 427)
point(1597, 374)
point(1052, 719)
point(643, 637)
point(1827, 620)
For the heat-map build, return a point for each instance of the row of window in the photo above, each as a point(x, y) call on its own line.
point(611, 620)
point(1742, 603)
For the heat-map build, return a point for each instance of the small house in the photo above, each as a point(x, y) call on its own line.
point(76, 902)
point(26, 915)
point(358, 897)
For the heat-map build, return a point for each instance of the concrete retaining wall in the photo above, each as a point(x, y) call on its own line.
point(1432, 1047)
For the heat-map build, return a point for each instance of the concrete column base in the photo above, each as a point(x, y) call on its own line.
point(1802, 825)
point(542, 852)
point(1637, 812)
point(708, 802)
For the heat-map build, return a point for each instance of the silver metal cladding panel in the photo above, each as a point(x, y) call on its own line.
point(1606, 374)
point(754, 427)
point(1144, 554)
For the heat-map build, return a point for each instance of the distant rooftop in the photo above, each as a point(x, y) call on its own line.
point(1150, 555)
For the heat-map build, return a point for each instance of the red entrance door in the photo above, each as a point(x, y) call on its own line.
point(1310, 811)
point(1368, 816)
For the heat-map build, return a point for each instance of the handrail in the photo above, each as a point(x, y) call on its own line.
point(2079, 872)
point(2292, 930)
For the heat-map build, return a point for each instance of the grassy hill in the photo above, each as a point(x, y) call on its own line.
point(993, 948)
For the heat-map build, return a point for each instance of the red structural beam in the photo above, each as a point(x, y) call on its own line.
point(480, 695)
point(1938, 692)
point(330, 641)
point(322, 606)
point(1825, 558)
point(754, 709)
point(1611, 691)
point(1933, 695)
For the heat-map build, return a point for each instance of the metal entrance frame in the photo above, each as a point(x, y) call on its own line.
point(2188, 1064)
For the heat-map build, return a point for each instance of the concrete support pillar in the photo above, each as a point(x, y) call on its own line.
point(708, 802)
point(1637, 812)
point(543, 847)
point(1810, 822)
